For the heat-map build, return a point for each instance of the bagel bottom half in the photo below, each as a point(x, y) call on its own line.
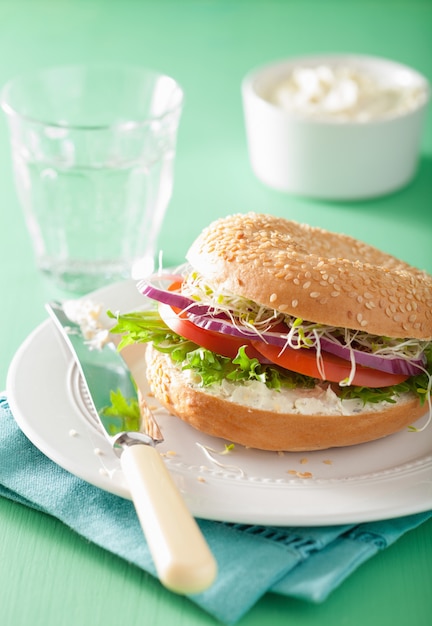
point(268, 430)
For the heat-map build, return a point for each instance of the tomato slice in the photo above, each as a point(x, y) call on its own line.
point(336, 369)
point(175, 286)
point(302, 361)
point(225, 345)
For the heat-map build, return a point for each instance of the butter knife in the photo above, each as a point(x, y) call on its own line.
point(183, 560)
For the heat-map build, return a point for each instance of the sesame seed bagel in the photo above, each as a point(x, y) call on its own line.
point(320, 276)
point(218, 415)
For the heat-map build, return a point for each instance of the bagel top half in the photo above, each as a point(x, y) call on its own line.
point(320, 276)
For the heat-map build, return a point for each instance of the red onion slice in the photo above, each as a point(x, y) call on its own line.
point(393, 365)
point(201, 316)
point(173, 298)
point(224, 325)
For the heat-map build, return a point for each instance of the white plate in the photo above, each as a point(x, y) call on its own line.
point(378, 480)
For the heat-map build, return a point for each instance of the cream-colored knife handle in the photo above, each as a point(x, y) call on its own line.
point(180, 553)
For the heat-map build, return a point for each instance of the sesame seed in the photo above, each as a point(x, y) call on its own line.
point(304, 474)
point(285, 255)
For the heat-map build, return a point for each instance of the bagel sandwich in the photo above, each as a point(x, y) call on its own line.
point(281, 336)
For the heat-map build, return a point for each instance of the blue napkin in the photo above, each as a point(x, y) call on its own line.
point(306, 563)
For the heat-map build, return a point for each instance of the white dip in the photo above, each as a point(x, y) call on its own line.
point(344, 93)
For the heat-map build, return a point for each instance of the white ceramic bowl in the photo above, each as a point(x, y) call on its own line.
point(334, 156)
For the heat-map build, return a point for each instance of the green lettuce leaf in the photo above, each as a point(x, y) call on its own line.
point(122, 414)
point(212, 368)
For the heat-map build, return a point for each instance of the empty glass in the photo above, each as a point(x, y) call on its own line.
point(93, 151)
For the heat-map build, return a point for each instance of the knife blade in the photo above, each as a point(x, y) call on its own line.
point(183, 560)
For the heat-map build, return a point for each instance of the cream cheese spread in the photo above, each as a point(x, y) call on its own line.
point(321, 400)
point(344, 93)
point(87, 314)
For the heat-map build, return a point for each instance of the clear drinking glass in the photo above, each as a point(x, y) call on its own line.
point(93, 151)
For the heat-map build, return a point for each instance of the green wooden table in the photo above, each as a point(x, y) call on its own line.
point(48, 575)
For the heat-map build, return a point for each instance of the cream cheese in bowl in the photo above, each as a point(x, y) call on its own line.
point(336, 127)
point(344, 93)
